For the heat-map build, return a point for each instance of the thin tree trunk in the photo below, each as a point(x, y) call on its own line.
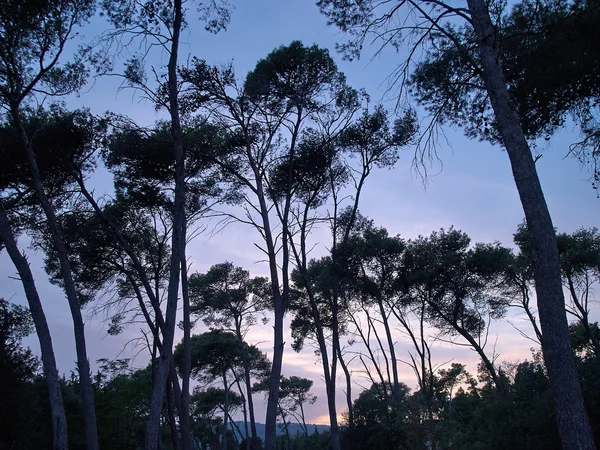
point(248, 383)
point(83, 365)
point(489, 365)
point(286, 443)
point(184, 413)
point(244, 412)
point(57, 409)
point(334, 436)
point(378, 339)
point(273, 399)
point(225, 413)
point(279, 301)
point(177, 239)
point(394, 361)
point(171, 414)
point(530, 315)
point(571, 416)
point(328, 373)
point(348, 389)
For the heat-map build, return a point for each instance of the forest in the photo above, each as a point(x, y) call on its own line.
point(108, 209)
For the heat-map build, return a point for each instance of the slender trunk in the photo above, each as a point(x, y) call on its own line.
point(392, 350)
point(334, 436)
point(245, 413)
point(248, 383)
point(171, 414)
point(489, 365)
point(184, 412)
point(279, 305)
point(474, 344)
point(381, 347)
point(273, 400)
point(348, 389)
point(285, 428)
point(226, 412)
point(235, 427)
point(530, 315)
point(57, 409)
point(571, 416)
point(83, 365)
point(328, 373)
point(177, 239)
point(303, 418)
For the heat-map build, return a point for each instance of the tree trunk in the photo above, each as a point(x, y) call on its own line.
point(248, 383)
point(348, 389)
point(177, 239)
point(328, 373)
point(184, 413)
point(225, 413)
point(171, 415)
point(334, 437)
point(83, 365)
point(279, 304)
point(57, 409)
point(571, 416)
point(273, 400)
point(246, 435)
point(390, 341)
point(286, 443)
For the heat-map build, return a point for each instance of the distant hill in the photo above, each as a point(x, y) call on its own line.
point(294, 428)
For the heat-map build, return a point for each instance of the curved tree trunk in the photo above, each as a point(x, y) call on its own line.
point(572, 419)
point(57, 409)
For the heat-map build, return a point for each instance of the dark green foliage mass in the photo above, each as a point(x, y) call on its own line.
point(550, 61)
point(19, 369)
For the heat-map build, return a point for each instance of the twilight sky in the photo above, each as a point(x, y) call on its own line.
point(472, 190)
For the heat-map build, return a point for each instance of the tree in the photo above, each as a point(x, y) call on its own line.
point(205, 405)
point(122, 403)
point(225, 296)
point(360, 18)
point(33, 37)
point(462, 286)
point(376, 417)
point(374, 261)
point(57, 412)
point(215, 355)
point(291, 99)
point(163, 23)
point(580, 261)
point(533, 37)
point(294, 395)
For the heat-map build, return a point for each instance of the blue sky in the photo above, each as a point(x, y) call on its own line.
point(472, 190)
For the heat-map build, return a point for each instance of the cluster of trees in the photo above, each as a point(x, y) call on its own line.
point(287, 151)
point(440, 283)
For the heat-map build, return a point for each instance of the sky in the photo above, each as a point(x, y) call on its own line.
point(471, 189)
